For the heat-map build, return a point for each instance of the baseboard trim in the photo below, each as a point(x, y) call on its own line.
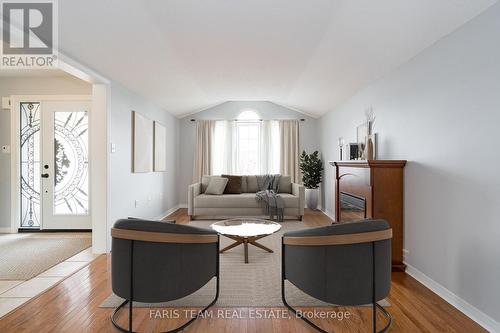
point(329, 214)
point(168, 212)
point(466, 308)
point(5, 230)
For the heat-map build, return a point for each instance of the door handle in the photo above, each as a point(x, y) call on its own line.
point(45, 175)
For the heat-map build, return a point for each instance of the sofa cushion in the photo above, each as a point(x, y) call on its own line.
point(233, 185)
point(252, 186)
point(216, 185)
point(285, 184)
point(204, 183)
point(244, 184)
point(243, 200)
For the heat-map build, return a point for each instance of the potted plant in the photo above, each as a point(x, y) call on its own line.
point(311, 167)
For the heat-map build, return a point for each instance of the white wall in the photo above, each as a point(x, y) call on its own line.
point(441, 112)
point(156, 191)
point(230, 110)
point(62, 85)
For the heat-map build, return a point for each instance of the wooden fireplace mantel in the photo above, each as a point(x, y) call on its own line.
point(372, 189)
point(370, 163)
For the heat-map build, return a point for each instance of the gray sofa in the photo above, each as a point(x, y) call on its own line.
point(244, 204)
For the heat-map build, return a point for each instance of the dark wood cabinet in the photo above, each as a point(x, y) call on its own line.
point(372, 189)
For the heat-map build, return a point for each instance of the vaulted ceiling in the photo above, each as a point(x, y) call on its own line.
point(311, 55)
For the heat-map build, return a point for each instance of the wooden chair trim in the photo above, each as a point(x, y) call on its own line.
point(363, 237)
point(162, 237)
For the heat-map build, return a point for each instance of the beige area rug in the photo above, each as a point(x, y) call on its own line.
point(23, 256)
point(256, 284)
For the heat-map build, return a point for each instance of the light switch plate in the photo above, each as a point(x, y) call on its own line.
point(6, 149)
point(6, 103)
point(113, 148)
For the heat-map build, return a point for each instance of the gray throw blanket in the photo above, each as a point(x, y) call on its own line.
point(268, 194)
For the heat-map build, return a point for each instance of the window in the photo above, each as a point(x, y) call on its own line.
point(248, 115)
point(247, 146)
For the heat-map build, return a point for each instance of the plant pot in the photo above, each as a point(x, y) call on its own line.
point(312, 197)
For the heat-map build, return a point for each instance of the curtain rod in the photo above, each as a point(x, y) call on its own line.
point(246, 120)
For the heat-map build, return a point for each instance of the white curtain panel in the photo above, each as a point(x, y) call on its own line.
point(289, 153)
point(223, 162)
point(270, 147)
point(205, 132)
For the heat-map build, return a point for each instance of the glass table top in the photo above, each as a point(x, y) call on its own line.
point(246, 227)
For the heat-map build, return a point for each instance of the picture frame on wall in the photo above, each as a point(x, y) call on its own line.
point(142, 147)
point(160, 142)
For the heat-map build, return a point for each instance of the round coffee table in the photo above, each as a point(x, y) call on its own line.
point(246, 231)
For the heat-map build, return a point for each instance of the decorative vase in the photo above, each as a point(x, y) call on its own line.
point(312, 197)
point(369, 147)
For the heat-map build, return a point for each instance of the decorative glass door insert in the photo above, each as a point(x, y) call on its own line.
point(30, 164)
point(71, 163)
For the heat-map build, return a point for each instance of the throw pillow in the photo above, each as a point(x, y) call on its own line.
point(233, 185)
point(216, 185)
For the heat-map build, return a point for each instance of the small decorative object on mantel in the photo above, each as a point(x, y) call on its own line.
point(366, 137)
point(341, 146)
point(361, 133)
point(311, 167)
point(352, 151)
point(370, 137)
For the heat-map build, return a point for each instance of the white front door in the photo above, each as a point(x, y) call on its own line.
point(54, 166)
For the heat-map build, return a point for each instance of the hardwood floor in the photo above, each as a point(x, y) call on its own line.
point(72, 305)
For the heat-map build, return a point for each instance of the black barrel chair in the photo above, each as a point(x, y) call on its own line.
point(345, 264)
point(156, 262)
